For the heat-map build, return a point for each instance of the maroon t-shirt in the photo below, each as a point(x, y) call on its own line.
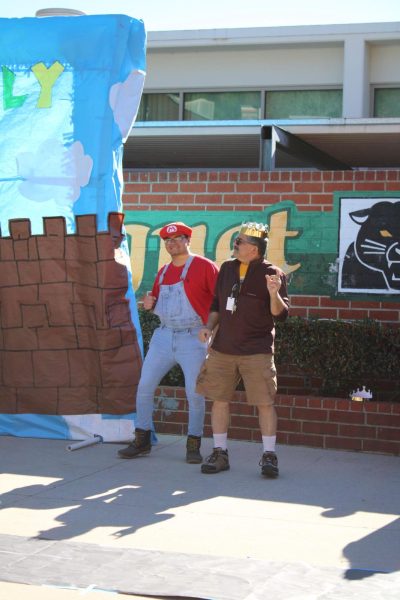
point(250, 329)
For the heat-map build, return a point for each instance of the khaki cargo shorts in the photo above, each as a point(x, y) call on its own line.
point(221, 373)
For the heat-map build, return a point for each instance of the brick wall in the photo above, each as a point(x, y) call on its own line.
point(312, 421)
point(330, 423)
point(241, 190)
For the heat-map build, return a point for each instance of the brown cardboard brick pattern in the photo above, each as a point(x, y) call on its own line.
point(67, 342)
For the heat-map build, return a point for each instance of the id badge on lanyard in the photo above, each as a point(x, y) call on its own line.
point(231, 301)
point(231, 304)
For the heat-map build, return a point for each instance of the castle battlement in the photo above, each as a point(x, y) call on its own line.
point(55, 242)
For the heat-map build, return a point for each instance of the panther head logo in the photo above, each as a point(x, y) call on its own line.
point(373, 260)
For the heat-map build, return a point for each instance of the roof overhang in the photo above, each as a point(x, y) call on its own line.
point(358, 143)
point(271, 36)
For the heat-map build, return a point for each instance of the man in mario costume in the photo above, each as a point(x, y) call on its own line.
point(181, 297)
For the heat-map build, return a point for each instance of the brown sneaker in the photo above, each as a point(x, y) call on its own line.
point(193, 456)
point(269, 464)
point(140, 446)
point(216, 462)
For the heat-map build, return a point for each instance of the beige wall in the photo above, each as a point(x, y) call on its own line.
point(233, 68)
point(353, 57)
point(385, 64)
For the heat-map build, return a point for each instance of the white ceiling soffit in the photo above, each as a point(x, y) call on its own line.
point(370, 150)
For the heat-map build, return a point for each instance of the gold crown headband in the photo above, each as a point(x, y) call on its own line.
point(257, 230)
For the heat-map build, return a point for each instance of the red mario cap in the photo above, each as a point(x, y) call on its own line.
point(174, 229)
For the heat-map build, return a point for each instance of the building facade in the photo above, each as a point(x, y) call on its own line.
point(217, 102)
point(208, 93)
point(297, 127)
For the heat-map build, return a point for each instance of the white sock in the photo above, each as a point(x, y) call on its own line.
point(269, 442)
point(220, 440)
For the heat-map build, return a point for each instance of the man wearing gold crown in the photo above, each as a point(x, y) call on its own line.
point(250, 295)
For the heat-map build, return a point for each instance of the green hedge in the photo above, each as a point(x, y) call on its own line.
point(340, 355)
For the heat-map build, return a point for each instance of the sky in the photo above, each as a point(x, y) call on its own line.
point(162, 15)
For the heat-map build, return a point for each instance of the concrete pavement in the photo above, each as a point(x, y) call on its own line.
point(328, 527)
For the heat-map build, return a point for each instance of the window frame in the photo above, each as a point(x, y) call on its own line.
point(302, 89)
point(263, 99)
point(378, 87)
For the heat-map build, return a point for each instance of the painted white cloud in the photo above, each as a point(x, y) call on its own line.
point(54, 172)
point(124, 100)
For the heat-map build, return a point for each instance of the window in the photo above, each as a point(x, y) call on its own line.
point(247, 105)
point(222, 106)
point(159, 107)
point(303, 104)
point(387, 102)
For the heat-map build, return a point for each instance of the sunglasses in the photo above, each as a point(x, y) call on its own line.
point(239, 241)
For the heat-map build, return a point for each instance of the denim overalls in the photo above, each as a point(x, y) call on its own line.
point(174, 342)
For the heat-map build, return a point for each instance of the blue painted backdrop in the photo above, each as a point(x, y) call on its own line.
point(70, 89)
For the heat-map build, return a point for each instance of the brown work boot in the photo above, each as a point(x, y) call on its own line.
point(269, 464)
point(216, 462)
point(193, 456)
point(140, 446)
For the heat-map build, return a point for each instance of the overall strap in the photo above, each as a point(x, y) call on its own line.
point(163, 274)
point(186, 267)
point(184, 271)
